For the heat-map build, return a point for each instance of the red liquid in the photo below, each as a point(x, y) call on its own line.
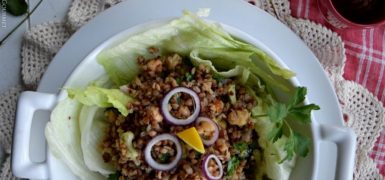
point(361, 11)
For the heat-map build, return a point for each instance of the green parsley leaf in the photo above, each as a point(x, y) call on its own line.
point(232, 165)
point(114, 176)
point(297, 144)
point(243, 149)
point(289, 148)
point(275, 133)
point(303, 113)
point(178, 80)
point(299, 96)
point(189, 77)
point(302, 144)
point(277, 112)
point(241, 146)
point(295, 110)
point(164, 158)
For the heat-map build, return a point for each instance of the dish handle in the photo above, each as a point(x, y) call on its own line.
point(345, 139)
point(29, 102)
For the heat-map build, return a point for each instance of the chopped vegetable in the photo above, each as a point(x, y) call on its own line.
point(114, 176)
point(131, 154)
point(189, 76)
point(232, 165)
point(243, 149)
point(241, 146)
point(232, 94)
point(164, 158)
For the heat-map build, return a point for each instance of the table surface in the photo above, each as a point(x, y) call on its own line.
point(55, 10)
point(49, 10)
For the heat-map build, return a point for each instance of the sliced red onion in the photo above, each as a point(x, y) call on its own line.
point(211, 141)
point(176, 121)
point(152, 162)
point(205, 167)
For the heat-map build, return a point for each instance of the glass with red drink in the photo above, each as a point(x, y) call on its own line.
point(353, 13)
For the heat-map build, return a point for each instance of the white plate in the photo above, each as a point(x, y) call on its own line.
point(263, 30)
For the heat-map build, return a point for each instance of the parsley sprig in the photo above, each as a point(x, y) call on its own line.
point(242, 151)
point(232, 165)
point(279, 113)
point(114, 176)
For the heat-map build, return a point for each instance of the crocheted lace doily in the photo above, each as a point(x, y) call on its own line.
point(365, 114)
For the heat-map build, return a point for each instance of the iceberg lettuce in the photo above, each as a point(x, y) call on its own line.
point(92, 128)
point(235, 63)
point(101, 97)
point(201, 41)
point(273, 153)
point(127, 138)
point(64, 139)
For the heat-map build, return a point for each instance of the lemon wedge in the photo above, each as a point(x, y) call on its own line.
point(191, 137)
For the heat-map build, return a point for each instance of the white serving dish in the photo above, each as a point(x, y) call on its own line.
point(332, 153)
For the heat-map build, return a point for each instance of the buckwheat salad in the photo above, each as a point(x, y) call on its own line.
point(184, 100)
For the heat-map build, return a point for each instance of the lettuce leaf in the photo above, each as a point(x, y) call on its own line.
point(235, 62)
point(92, 128)
point(273, 153)
point(63, 137)
point(192, 36)
point(101, 97)
point(76, 140)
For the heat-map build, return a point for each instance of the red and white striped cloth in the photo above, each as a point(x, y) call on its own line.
point(365, 61)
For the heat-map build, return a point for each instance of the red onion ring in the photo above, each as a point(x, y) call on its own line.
point(152, 162)
point(205, 167)
point(176, 121)
point(216, 131)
